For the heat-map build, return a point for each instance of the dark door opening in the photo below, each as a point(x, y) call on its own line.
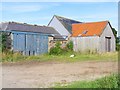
point(108, 44)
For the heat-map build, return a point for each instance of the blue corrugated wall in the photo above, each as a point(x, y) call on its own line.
point(30, 43)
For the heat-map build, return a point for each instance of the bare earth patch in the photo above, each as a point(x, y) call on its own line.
point(45, 74)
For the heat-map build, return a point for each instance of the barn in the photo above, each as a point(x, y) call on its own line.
point(28, 39)
point(62, 25)
point(93, 37)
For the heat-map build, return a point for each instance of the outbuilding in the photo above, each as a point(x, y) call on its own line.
point(93, 37)
point(62, 25)
point(28, 39)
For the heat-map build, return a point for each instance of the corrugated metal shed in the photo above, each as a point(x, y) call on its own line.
point(23, 27)
point(29, 39)
point(30, 43)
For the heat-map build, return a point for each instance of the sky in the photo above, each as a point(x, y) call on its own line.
point(41, 12)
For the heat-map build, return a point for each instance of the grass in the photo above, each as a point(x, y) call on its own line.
point(105, 82)
point(10, 57)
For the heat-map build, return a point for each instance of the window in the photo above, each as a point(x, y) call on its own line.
point(84, 32)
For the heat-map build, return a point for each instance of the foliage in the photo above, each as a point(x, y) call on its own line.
point(12, 57)
point(70, 45)
point(56, 50)
point(117, 46)
point(114, 32)
point(105, 82)
point(117, 40)
point(3, 38)
point(65, 57)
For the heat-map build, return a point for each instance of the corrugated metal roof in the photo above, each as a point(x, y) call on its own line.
point(89, 29)
point(67, 23)
point(23, 27)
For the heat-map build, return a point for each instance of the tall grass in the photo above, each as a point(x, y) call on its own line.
point(65, 57)
point(105, 82)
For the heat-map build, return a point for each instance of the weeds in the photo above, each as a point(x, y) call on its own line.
point(105, 82)
point(14, 57)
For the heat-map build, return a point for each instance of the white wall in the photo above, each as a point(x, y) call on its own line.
point(55, 23)
point(107, 33)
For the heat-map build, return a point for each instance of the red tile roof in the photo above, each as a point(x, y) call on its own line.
point(88, 29)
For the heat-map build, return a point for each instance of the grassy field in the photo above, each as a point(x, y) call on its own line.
point(105, 82)
point(9, 57)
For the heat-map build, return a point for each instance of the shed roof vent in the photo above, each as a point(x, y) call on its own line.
point(85, 31)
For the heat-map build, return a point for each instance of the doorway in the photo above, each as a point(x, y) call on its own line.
point(108, 44)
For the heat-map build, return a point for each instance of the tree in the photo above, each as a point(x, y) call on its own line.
point(114, 32)
point(3, 38)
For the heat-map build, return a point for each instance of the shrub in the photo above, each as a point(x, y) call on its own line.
point(3, 38)
point(12, 57)
point(117, 46)
point(106, 82)
point(70, 46)
point(56, 50)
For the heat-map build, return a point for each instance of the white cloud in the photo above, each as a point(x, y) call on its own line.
point(22, 8)
point(26, 7)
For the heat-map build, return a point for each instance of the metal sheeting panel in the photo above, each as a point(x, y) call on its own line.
point(30, 44)
point(42, 44)
point(19, 42)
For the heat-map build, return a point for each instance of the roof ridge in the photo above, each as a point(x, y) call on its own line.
point(65, 18)
point(9, 22)
point(92, 22)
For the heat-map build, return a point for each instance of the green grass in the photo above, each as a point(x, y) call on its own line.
point(9, 57)
point(105, 82)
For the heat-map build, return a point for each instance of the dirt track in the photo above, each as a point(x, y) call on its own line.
point(45, 74)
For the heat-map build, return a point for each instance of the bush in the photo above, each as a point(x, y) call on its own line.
point(111, 82)
point(11, 57)
point(70, 46)
point(117, 46)
point(56, 50)
point(3, 38)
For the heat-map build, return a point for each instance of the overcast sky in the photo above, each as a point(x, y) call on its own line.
point(41, 13)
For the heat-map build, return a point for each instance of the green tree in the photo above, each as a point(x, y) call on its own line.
point(56, 50)
point(114, 32)
point(70, 46)
point(3, 38)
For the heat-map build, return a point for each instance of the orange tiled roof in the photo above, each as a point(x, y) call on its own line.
point(88, 29)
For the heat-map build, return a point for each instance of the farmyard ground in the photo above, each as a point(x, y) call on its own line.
point(34, 74)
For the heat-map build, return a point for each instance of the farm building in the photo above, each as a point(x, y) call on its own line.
point(28, 39)
point(62, 25)
point(93, 37)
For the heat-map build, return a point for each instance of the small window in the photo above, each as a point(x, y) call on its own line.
point(84, 32)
